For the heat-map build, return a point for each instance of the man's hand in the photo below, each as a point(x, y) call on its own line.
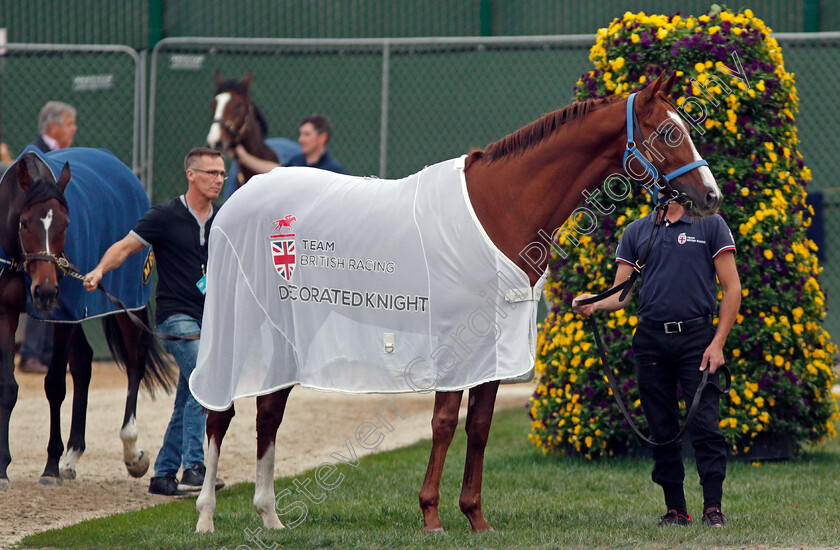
point(712, 358)
point(92, 279)
point(586, 310)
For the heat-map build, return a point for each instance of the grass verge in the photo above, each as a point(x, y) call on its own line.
point(533, 501)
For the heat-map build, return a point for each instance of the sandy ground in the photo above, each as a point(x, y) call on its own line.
point(103, 486)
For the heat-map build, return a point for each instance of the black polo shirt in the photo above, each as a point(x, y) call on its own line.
point(179, 242)
point(678, 281)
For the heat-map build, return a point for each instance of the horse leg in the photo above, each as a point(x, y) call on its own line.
point(81, 356)
point(131, 352)
point(216, 427)
point(479, 418)
point(8, 385)
point(270, 409)
point(55, 386)
point(444, 423)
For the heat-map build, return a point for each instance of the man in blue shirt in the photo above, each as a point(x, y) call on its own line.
point(315, 132)
point(676, 341)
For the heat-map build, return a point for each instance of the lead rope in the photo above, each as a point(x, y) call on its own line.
point(71, 270)
point(625, 288)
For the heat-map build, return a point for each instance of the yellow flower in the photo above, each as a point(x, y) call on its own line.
point(768, 254)
point(634, 38)
point(661, 34)
point(699, 67)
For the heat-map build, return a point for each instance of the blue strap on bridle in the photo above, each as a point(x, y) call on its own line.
point(6, 262)
point(653, 172)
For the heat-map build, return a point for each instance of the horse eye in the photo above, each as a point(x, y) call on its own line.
point(24, 224)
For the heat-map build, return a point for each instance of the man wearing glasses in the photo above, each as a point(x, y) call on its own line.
point(177, 231)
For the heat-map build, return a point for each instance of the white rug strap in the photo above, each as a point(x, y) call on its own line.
point(526, 294)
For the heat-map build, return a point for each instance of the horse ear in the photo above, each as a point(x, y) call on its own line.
point(247, 80)
point(64, 178)
point(669, 84)
point(656, 85)
point(24, 177)
point(218, 77)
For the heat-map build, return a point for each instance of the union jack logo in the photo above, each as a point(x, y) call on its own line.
point(283, 250)
point(284, 253)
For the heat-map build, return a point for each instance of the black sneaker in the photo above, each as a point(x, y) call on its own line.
point(193, 479)
point(713, 517)
point(674, 518)
point(166, 486)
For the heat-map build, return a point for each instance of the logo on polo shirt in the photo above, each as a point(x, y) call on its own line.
point(683, 238)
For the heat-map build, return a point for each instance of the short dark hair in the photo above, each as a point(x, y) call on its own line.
point(200, 152)
point(320, 122)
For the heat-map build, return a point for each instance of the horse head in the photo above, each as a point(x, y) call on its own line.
point(666, 153)
point(42, 226)
point(232, 112)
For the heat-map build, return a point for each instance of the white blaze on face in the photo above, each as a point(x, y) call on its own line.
point(47, 221)
point(214, 136)
point(705, 174)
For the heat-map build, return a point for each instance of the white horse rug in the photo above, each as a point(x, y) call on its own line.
point(359, 285)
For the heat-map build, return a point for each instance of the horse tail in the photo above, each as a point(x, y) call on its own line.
point(155, 371)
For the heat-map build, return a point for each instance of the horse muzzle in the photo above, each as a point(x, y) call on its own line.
point(45, 297)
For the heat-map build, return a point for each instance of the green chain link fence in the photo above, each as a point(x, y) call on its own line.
point(103, 83)
point(398, 105)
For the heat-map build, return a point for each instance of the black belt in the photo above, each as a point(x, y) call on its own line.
point(673, 327)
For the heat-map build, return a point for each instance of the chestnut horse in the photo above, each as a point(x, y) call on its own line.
point(238, 121)
point(521, 188)
point(35, 218)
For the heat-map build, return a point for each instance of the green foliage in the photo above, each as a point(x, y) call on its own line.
point(732, 83)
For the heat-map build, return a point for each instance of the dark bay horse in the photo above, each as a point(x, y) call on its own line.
point(238, 121)
point(521, 190)
point(33, 236)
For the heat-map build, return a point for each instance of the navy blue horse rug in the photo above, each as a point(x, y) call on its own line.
point(105, 201)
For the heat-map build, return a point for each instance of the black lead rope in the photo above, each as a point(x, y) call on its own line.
point(68, 268)
point(625, 288)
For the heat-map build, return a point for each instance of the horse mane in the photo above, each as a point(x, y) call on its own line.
point(42, 190)
point(534, 133)
point(241, 89)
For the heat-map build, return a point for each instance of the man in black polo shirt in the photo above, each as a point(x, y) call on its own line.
point(177, 230)
point(676, 340)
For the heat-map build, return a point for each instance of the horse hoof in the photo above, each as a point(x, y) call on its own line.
point(50, 480)
point(438, 531)
point(67, 473)
point(205, 526)
point(4, 483)
point(139, 467)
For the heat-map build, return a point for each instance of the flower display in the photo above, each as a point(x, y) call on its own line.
point(741, 104)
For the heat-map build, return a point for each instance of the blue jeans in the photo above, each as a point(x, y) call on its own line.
point(182, 443)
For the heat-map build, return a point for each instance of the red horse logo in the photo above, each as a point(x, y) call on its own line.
point(284, 222)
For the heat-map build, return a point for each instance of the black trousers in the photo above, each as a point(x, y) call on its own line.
point(663, 361)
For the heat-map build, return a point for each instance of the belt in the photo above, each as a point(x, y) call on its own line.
point(673, 327)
